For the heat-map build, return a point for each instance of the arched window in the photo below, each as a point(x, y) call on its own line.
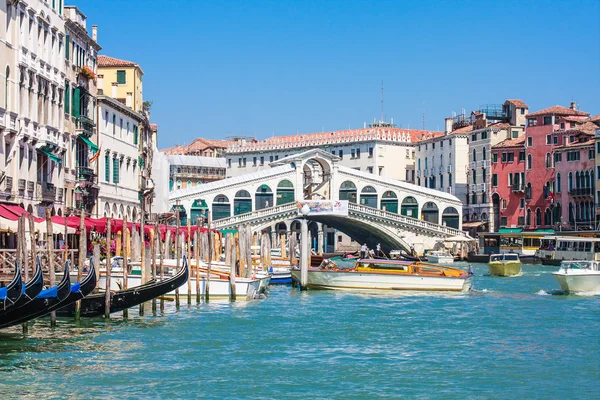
point(577, 184)
point(528, 161)
point(558, 183)
point(189, 184)
point(528, 217)
point(570, 182)
point(587, 179)
point(548, 161)
point(538, 216)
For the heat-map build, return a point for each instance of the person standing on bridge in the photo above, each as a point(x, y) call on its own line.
point(364, 250)
point(378, 249)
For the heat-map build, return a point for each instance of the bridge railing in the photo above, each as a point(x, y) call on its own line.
point(359, 209)
point(239, 219)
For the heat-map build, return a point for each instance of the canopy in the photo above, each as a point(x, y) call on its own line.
point(12, 212)
point(53, 157)
point(459, 239)
point(87, 141)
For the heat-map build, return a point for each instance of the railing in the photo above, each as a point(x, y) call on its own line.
point(46, 192)
point(85, 174)
point(583, 192)
point(8, 258)
point(85, 124)
point(284, 210)
point(518, 187)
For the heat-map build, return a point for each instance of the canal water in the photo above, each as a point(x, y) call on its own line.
point(509, 338)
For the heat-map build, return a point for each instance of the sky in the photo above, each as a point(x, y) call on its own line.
point(216, 69)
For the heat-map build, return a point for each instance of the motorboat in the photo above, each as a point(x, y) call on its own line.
point(376, 274)
point(505, 264)
point(440, 257)
point(579, 276)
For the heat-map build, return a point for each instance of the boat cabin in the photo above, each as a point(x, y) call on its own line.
point(513, 240)
point(579, 264)
point(504, 257)
point(571, 248)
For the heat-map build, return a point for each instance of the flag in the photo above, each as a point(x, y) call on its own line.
point(95, 156)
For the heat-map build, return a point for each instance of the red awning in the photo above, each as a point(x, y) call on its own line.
point(7, 214)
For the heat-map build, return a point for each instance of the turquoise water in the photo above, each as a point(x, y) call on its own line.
point(510, 338)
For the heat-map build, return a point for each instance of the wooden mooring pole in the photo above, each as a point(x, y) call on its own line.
point(126, 247)
point(108, 268)
point(81, 261)
point(210, 256)
point(50, 250)
point(189, 256)
point(231, 251)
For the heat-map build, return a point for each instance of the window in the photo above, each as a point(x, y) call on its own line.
point(114, 124)
point(370, 170)
point(121, 77)
point(357, 153)
point(67, 96)
point(548, 120)
point(529, 161)
point(135, 134)
point(276, 158)
point(474, 156)
point(442, 143)
point(515, 134)
point(473, 198)
point(572, 125)
point(557, 157)
point(474, 177)
point(370, 152)
point(262, 160)
point(532, 122)
point(229, 162)
point(558, 183)
point(522, 110)
point(254, 161)
point(521, 204)
point(432, 145)
point(240, 162)
point(591, 154)
point(449, 142)
point(548, 161)
point(270, 158)
point(244, 162)
point(555, 140)
point(494, 157)
point(494, 180)
point(573, 156)
point(510, 179)
point(571, 139)
point(529, 141)
point(562, 125)
point(503, 203)
point(522, 156)
point(107, 167)
point(474, 137)
point(352, 153)
point(340, 154)
point(483, 135)
point(115, 170)
point(548, 139)
point(503, 221)
point(484, 157)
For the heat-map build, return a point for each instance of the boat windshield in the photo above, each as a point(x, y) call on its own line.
point(511, 257)
point(577, 265)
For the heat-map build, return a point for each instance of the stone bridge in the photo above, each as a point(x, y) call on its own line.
point(397, 214)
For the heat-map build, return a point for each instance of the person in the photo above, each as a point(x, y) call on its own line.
point(412, 250)
point(363, 251)
point(379, 249)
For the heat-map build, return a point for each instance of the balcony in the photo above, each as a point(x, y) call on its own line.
point(86, 174)
point(518, 187)
point(494, 112)
point(581, 192)
point(85, 126)
point(46, 192)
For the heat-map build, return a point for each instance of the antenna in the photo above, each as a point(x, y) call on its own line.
point(382, 116)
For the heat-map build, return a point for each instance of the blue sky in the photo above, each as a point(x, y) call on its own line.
point(261, 68)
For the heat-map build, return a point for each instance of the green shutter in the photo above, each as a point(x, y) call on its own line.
point(115, 170)
point(135, 134)
point(76, 102)
point(107, 168)
point(67, 46)
point(67, 97)
point(121, 77)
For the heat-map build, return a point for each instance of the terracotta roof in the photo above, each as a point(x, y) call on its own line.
point(335, 137)
point(500, 125)
point(518, 142)
point(595, 118)
point(518, 103)
point(199, 144)
point(464, 129)
point(588, 142)
point(587, 128)
point(558, 110)
point(153, 127)
point(106, 61)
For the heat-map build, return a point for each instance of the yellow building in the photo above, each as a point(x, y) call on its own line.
point(121, 80)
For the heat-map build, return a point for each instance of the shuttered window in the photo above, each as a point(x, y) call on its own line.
point(76, 103)
point(115, 170)
point(67, 97)
point(107, 168)
point(135, 134)
point(67, 46)
point(121, 77)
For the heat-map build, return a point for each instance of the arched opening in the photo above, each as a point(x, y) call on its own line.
point(348, 191)
point(529, 161)
point(557, 214)
point(199, 210)
point(538, 217)
point(242, 202)
point(295, 228)
point(30, 209)
point(571, 214)
point(547, 217)
point(548, 161)
point(528, 217)
point(389, 202)
point(496, 210)
point(60, 212)
point(114, 212)
point(450, 217)
point(263, 197)
point(134, 214)
point(285, 192)
point(317, 174)
point(570, 182)
point(53, 212)
point(280, 228)
point(409, 207)
point(129, 212)
point(368, 197)
point(430, 213)
point(558, 183)
point(121, 211)
point(221, 207)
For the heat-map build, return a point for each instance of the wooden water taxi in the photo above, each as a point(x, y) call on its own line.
point(505, 264)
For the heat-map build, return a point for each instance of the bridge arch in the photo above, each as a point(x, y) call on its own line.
point(368, 196)
point(242, 202)
point(410, 207)
point(221, 208)
point(389, 201)
point(285, 192)
point(450, 217)
point(263, 197)
point(430, 212)
point(348, 191)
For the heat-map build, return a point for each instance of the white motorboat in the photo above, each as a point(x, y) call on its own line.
point(440, 257)
point(580, 276)
point(372, 274)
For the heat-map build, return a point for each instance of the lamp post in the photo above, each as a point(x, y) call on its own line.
point(305, 210)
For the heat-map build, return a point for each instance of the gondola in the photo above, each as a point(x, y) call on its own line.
point(11, 293)
point(30, 290)
point(40, 305)
point(94, 305)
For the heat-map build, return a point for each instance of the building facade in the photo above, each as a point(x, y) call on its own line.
point(190, 171)
point(121, 80)
point(33, 143)
point(81, 51)
point(508, 183)
point(202, 148)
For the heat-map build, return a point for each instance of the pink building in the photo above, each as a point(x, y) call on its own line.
point(508, 183)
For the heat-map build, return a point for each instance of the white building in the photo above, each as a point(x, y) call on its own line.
point(119, 160)
point(380, 149)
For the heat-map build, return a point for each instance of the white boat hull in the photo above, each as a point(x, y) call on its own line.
point(440, 259)
point(361, 281)
point(578, 281)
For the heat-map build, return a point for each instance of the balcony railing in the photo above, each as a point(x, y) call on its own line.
point(581, 192)
point(86, 125)
point(86, 174)
point(518, 187)
point(46, 192)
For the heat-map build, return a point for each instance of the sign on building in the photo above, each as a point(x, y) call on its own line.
point(323, 207)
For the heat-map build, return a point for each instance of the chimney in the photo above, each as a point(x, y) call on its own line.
point(95, 33)
point(573, 105)
point(114, 90)
point(128, 100)
point(448, 122)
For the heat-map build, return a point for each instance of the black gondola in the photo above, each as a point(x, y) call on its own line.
point(94, 305)
point(41, 304)
point(30, 290)
point(11, 293)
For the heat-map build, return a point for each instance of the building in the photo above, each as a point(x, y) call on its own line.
point(119, 161)
point(380, 149)
point(202, 147)
point(33, 143)
point(189, 171)
point(81, 186)
point(508, 184)
point(546, 130)
point(121, 80)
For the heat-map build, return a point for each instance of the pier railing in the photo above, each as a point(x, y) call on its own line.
point(9, 256)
